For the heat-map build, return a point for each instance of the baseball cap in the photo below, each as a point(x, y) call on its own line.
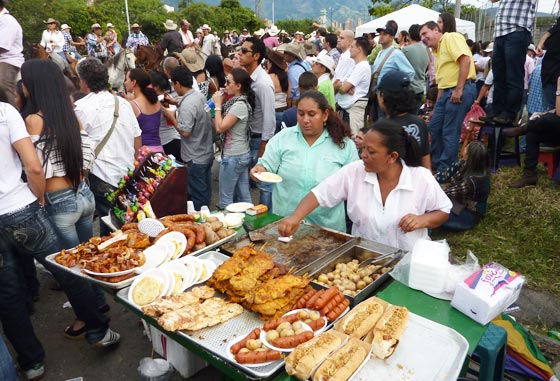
point(393, 80)
point(387, 29)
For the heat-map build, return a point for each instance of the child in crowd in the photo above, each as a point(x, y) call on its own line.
point(426, 109)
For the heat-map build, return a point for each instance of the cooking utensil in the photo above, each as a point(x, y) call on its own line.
point(253, 236)
point(376, 260)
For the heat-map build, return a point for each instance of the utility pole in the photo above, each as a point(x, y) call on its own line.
point(457, 9)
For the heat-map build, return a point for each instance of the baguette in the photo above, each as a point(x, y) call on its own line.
point(388, 331)
point(307, 356)
point(343, 363)
point(362, 318)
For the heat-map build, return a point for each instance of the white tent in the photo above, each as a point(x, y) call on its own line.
point(414, 14)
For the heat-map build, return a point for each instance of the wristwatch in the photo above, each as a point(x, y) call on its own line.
point(558, 93)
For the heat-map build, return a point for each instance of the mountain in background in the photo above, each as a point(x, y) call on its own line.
point(301, 9)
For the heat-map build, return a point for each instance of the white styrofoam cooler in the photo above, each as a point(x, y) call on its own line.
point(184, 361)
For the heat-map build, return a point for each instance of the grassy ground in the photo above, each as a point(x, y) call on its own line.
point(521, 230)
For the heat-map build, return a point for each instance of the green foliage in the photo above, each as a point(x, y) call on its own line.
point(229, 15)
point(292, 26)
point(381, 9)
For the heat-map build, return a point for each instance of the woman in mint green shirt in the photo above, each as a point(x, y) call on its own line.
point(305, 155)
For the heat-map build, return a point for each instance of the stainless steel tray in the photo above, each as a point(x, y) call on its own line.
point(77, 270)
point(427, 351)
point(216, 339)
point(360, 249)
point(311, 243)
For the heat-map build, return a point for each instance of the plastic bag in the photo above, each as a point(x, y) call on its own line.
point(457, 273)
point(154, 369)
point(469, 131)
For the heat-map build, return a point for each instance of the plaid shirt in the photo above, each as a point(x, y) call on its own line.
point(534, 100)
point(513, 14)
point(67, 47)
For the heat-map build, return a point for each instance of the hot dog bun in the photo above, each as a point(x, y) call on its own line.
point(362, 318)
point(343, 363)
point(307, 356)
point(388, 331)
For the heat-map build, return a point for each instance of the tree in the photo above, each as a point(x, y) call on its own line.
point(292, 26)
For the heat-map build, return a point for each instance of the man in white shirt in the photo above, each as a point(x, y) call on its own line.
point(209, 41)
point(352, 91)
point(96, 113)
point(11, 52)
point(186, 34)
point(345, 62)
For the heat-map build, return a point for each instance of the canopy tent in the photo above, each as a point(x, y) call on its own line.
point(414, 14)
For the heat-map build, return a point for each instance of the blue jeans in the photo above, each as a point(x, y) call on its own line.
point(549, 96)
point(234, 179)
point(71, 212)
point(100, 188)
point(265, 188)
point(445, 126)
point(465, 221)
point(7, 369)
point(509, 56)
point(199, 183)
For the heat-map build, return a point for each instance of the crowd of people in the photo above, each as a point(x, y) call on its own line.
point(364, 131)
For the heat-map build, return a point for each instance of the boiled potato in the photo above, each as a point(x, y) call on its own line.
point(297, 326)
point(283, 326)
point(253, 344)
point(314, 315)
point(287, 332)
point(301, 330)
point(272, 335)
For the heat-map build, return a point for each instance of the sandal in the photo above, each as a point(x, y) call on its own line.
point(72, 333)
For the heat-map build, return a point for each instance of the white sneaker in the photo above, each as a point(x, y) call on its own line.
point(111, 338)
point(35, 373)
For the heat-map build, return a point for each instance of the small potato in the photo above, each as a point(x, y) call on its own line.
point(351, 287)
point(337, 276)
point(199, 246)
point(253, 344)
point(296, 326)
point(301, 330)
point(314, 315)
point(222, 233)
point(361, 285)
point(272, 335)
point(330, 276)
point(323, 278)
point(338, 282)
point(244, 350)
point(217, 225)
point(283, 326)
point(211, 219)
point(368, 279)
point(287, 332)
point(261, 349)
point(355, 278)
point(339, 266)
point(303, 314)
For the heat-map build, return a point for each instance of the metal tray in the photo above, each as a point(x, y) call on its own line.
point(360, 249)
point(427, 351)
point(216, 339)
point(77, 270)
point(310, 243)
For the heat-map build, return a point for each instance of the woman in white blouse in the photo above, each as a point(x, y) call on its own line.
point(390, 198)
point(53, 39)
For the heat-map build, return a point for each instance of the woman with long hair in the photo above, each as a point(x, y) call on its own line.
point(276, 68)
point(467, 184)
point(232, 121)
point(146, 106)
point(390, 197)
point(214, 68)
point(446, 23)
point(66, 153)
point(304, 155)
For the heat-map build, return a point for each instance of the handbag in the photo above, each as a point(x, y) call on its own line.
point(375, 75)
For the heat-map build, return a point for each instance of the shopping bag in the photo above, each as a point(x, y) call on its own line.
point(470, 131)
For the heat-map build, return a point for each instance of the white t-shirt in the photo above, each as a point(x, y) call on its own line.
point(480, 60)
point(52, 41)
point(490, 82)
point(14, 193)
point(417, 192)
point(11, 40)
point(360, 77)
point(95, 112)
point(344, 67)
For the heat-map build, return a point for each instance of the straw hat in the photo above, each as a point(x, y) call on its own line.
point(298, 32)
point(259, 33)
point(65, 26)
point(95, 26)
point(135, 25)
point(489, 48)
point(192, 60)
point(226, 31)
point(109, 25)
point(50, 20)
point(170, 25)
point(205, 26)
point(276, 58)
point(310, 48)
point(273, 31)
point(326, 61)
point(295, 50)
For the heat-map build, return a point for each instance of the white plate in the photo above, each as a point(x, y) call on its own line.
point(194, 267)
point(268, 177)
point(157, 274)
point(269, 345)
point(150, 226)
point(178, 239)
point(170, 282)
point(317, 331)
point(155, 256)
point(110, 275)
point(231, 356)
point(207, 268)
point(239, 207)
point(233, 220)
point(179, 268)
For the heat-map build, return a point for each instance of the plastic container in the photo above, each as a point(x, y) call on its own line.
point(154, 369)
point(429, 266)
point(204, 213)
point(209, 105)
point(190, 207)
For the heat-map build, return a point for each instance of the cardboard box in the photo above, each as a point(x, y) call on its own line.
point(487, 292)
point(184, 361)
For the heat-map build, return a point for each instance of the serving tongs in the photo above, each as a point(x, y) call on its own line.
point(379, 261)
point(253, 235)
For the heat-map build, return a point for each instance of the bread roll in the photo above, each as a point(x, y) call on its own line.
point(388, 331)
point(362, 318)
point(307, 356)
point(343, 363)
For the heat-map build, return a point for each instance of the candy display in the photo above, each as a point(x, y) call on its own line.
point(134, 198)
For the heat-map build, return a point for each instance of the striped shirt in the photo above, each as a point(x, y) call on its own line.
point(53, 165)
point(514, 14)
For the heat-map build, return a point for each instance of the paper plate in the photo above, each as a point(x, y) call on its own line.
point(324, 318)
point(179, 241)
point(268, 177)
point(161, 279)
point(269, 345)
point(239, 207)
point(150, 226)
point(233, 220)
point(170, 282)
point(194, 267)
point(180, 269)
point(155, 255)
point(206, 270)
point(231, 356)
point(111, 275)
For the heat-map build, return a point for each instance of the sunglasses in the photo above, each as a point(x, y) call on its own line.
point(245, 50)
